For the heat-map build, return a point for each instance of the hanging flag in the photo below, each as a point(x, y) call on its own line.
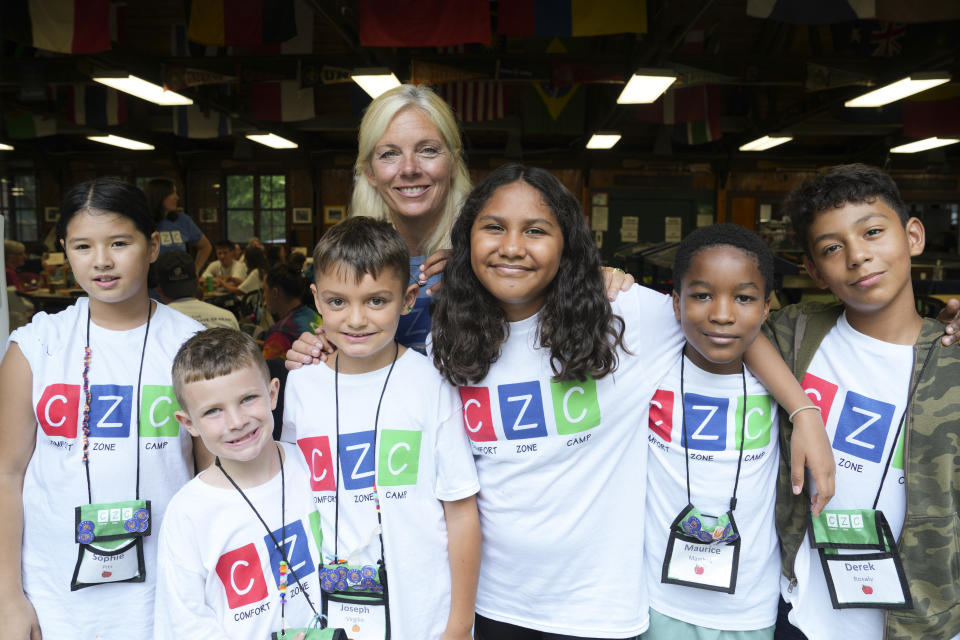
point(194, 122)
point(565, 18)
point(300, 44)
point(22, 125)
point(242, 22)
point(474, 101)
point(432, 73)
point(916, 11)
point(282, 101)
point(886, 38)
point(695, 112)
point(118, 22)
point(933, 113)
point(423, 23)
point(812, 11)
point(95, 105)
point(554, 110)
point(64, 26)
point(182, 47)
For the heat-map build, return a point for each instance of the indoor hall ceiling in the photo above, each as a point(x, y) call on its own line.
point(739, 76)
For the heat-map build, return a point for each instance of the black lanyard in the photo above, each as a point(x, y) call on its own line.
point(283, 532)
point(743, 432)
point(893, 449)
point(87, 399)
point(376, 422)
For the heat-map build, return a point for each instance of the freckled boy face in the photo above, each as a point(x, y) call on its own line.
point(721, 306)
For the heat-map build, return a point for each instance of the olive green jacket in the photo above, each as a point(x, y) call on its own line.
point(930, 541)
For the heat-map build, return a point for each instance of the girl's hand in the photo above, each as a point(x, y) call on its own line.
point(309, 348)
point(615, 281)
point(19, 619)
point(950, 316)
point(433, 265)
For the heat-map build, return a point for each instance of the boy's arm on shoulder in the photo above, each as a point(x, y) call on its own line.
point(18, 435)
point(809, 446)
point(463, 547)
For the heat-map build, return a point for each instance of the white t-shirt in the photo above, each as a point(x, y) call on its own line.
point(562, 469)
point(420, 457)
point(216, 270)
point(219, 569)
point(251, 282)
point(205, 313)
point(714, 411)
point(861, 386)
point(54, 484)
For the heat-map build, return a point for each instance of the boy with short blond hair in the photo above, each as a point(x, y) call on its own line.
point(888, 392)
point(239, 547)
point(391, 468)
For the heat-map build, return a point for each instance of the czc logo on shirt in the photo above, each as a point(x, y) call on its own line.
point(239, 571)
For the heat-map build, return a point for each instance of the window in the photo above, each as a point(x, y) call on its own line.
point(18, 203)
point(256, 206)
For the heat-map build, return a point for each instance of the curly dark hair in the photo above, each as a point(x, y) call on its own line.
point(576, 322)
point(835, 187)
point(725, 235)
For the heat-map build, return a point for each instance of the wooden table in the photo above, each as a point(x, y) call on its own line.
point(53, 301)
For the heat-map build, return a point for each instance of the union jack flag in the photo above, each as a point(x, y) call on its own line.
point(886, 39)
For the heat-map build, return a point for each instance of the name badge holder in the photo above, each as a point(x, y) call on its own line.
point(354, 596)
point(110, 534)
point(316, 629)
point(870, 580)
point(703, 552)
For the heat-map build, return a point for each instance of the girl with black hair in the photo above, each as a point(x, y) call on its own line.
point(555, 383)
point(176, 228)
point(88, 425)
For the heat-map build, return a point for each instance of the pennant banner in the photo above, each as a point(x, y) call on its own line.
point(431, 73)
point(313, 74)
point(820, 77)
point(176, 77)
point(565, 18)
point(423, 23)
point(474, 101)
point(193, 122)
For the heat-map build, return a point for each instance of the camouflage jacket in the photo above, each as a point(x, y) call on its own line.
point(930, 541)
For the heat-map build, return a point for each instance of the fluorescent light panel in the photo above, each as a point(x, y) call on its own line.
point(145, 90)
point(603, 140)
point(126, 143)
point(899, 90)
point(375, 81)
point(5, 147)
point(764, 143)
point(923, 145)
point(272, 140)
point(645, 86)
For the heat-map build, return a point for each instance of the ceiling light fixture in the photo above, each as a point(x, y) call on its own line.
point(126, 143)
point(603, 140)
point(5, 147)
point(122, 81)
point(915, 83)
point(375, 81)
point(924, 145)
point(646, 85)
point(272, 140)
point(765, 142)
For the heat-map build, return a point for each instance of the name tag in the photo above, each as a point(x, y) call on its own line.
point(702, 558)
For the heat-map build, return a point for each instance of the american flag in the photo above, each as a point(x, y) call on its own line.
point(477, 101)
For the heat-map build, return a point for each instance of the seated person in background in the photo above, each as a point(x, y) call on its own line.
point(14, 255)
point(225, 268)
point(177, 286)
point(283, 295)
point(276, 254)
point(256, 263)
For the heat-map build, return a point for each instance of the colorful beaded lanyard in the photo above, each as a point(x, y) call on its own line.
point(693, 524)
point(284, 567)
point(338, 578)
point(88, 399)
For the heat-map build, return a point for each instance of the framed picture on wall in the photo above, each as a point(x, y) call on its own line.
point(50, 214)
point(302, 215)
point(208, 214)
point(335, 214)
